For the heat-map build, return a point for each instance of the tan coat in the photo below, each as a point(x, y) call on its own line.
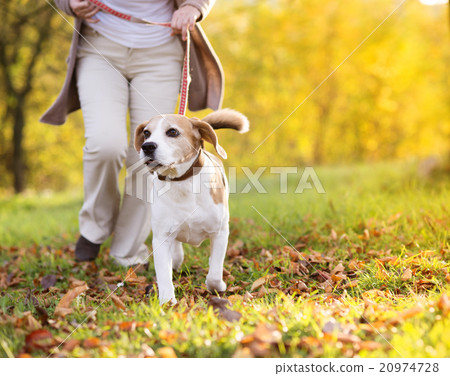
point(206, 89)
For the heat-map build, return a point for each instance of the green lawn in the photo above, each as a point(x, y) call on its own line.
point(368, 276)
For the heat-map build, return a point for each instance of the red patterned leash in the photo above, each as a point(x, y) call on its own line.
point(186, 78)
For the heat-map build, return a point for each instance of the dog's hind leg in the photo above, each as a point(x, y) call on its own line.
point(177, 255)
point(219, 243)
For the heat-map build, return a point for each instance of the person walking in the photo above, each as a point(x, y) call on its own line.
point(119, 69)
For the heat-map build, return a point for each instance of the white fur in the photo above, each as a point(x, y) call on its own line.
point(185, 212)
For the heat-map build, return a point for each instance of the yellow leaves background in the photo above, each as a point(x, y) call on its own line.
point(389, 100)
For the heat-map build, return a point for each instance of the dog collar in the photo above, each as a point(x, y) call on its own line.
point(191, 171)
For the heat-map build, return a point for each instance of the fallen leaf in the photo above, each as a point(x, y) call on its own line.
point(247, 296)
point(91, 343)
point(369, 345)
point(444, 304)
point(348, 338)
point(407, 274)
point(24, 355)
point(63, 307)
point(275, 283)
point(166, 352)
point(118, 302)
point(265, 333)
point(261, 281)
point(339, 268)
point(405, 315)
point(356, 265)
point(28, 322)
point(338, 277)
point(40, 339)
point(351, 284)
point(130, 274)
point(74, 282)
point(48, 281)
point(70, 344)
point(220, 307)
point(261, 292)
point(333, 235)
point(302, 286)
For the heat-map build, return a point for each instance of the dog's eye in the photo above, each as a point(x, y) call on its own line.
point(146, 134)
point(172, 132)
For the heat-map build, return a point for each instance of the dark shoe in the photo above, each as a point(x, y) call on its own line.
point(86, 250)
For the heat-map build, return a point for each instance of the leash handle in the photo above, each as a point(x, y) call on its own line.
point(186, 77)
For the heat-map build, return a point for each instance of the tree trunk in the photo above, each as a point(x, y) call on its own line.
point(18, 163)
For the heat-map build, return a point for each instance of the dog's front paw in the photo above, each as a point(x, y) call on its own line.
point(167, 300)
point(215, 284)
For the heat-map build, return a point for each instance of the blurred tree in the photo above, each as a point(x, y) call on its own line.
point(24, 33)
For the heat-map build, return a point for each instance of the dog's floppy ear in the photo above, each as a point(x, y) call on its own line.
point(207, 133)
point(139, 135)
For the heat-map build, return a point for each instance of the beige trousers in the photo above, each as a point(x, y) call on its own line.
point(113, 81)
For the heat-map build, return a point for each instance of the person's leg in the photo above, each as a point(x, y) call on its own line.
point(154, 86)
point(103, 93)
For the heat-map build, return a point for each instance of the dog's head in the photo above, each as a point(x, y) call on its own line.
point(169, 139)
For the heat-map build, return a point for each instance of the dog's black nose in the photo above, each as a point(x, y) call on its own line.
point(149, 147)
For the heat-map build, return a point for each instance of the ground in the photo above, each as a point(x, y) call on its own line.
point(362, 270)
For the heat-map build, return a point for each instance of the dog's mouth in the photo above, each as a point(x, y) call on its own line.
point(152, 164)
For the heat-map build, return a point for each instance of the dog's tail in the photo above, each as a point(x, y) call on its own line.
point(228, 118)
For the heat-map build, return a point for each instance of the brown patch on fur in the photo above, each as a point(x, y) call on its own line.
point(217, 188)
point(217, 182)
point(139, 135)
point(207, 133)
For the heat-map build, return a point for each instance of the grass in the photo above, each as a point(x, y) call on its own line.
point(375, 283)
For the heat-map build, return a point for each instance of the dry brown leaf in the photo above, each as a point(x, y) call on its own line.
point(261, 281)
point(265, 333)
point(28, 322)
point(351, 284)
point(338, 277)
point(63, 307)
point(220, 306)
point(70, 344)
point(166, 352)
point(40, 339)
point(130, 275)
point(261, 292)
point(405, 315)
point(366, 234)
point(235, 298)
point(118, 302)
point(356, 265)
point(339, 268)
point(302, 286)
point(333, 235)
point(444, 304)
point(74, 282)
point(348, 338)
point(247, 296)
point(369, 345)
point(91, 343)
point(407, 274)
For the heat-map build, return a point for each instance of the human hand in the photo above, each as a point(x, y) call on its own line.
point(183, 19)
point(84, 9)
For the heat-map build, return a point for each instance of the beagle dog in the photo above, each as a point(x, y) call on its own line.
point(195, 205)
